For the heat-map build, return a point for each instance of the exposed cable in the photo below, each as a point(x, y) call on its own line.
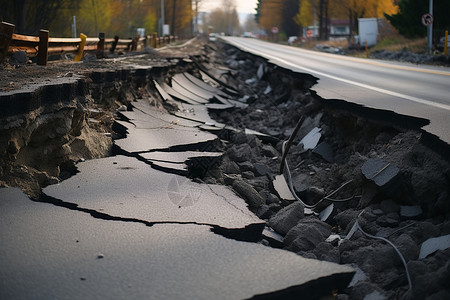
point(284, 150)
point(390, 243)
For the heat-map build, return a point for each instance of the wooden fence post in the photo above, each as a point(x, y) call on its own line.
point(153, 41)
point(101, 45)
point(134, 43)
point(79, 54)
point(43, 48)
point(6, 32)
point(114, 44)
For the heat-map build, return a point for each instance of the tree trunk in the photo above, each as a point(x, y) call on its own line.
point(174, 11)
point(19, 13)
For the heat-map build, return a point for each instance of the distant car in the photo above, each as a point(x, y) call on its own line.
point(212, 37)
point(247, 34)
point(441, 44)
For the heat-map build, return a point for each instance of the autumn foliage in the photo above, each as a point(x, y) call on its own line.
point(271, 13)
point(113, 17)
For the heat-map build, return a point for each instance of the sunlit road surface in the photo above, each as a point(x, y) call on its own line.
point(413, 90)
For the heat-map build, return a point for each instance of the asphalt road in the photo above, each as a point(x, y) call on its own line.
point(407, 89)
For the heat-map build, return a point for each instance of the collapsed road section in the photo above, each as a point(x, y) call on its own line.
point(214, 161)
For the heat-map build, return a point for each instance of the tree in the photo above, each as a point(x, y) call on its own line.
point(288, 25)
point(31, 16)
point(271, 12)
point(408, 20)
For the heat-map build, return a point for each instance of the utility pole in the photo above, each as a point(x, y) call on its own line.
point(162, 17)
point(430, 30)
point(74, 26)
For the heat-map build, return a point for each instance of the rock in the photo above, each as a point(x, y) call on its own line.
point(432, 283)
point(416, 268)
point(390, 220)
point(287, 218)
point(326, 251)
point(299, 183)
point(250, 195)
point(229, 166)
point(369, 192)
point(269, 198)
point(240, 153)
point(307, 234)
point(389, 206)
point(248, 175)
point(407, 247)
point(245, 166)
point(275, 207)
point(422, 231)
point(410, 212)
point(264, 212)
point(325, 151)
point(269, 151)
point(363, 289)
point(346, 218)
point(261, 170)
point(18, 58)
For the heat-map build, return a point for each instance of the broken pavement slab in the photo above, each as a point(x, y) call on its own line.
point(380, 172)
point(157, 138)
point(124, 187)
point(52, 252)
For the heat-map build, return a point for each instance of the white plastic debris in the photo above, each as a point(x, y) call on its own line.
point(434, 244)
point(310, 140)
point(325, 214)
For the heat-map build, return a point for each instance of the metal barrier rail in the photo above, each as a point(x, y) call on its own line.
point(42, 46)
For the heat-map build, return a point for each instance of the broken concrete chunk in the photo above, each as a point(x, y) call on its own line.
point(310, 140)
point(261, 170)
point(251, 196)
point(281, 187)
point(325, 151)
point(434, 244)
point(379, 171)
point(307, 234)
point(287, 217)
point(261, 71)
point(410, 211)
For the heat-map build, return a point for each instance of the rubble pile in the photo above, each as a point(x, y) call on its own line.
point(331, 183)
point(347, 171)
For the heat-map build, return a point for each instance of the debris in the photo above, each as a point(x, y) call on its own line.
point(379, 171)
point(326, 213)
point(310, 140)
point(261, 71)
point(359, 276)
point(281, 187)
point(250, 195)
point(434, 244)
point(325, 151)
point(287, 218)
point(410, 212)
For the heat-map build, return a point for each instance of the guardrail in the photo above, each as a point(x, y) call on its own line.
point(43, 45)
